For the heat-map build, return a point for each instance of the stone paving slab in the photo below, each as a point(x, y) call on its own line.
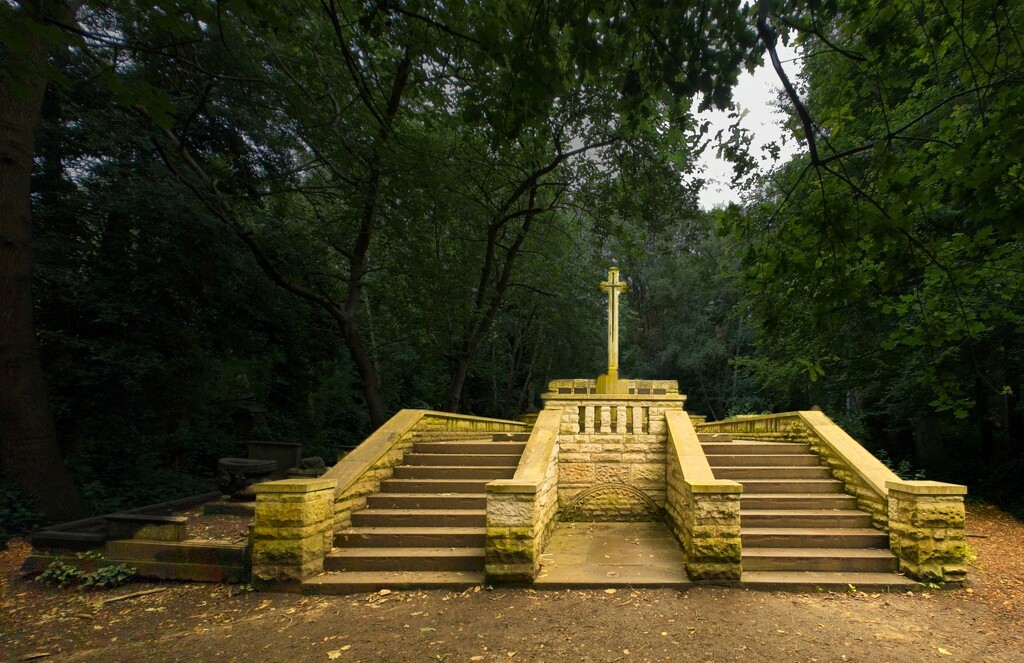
point(610, 554)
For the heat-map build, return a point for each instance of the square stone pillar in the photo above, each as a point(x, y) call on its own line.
point(711, 531)
point(293, 529)
point(926, 529)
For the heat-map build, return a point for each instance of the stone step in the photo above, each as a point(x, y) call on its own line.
point(510, 437)
point(763, 460)
point(462, 460)
point(405, 559)
point(809, 537)
point(714, 437)
point(427, 501)
point(411, 537)
point(759, 486)
point(814, 581)
point(452, 472)
point(753, 472)
point(756, 448)
point(469, 447)
point(804, 518)
point(373, 581)
point(851, 560)
point(420, 518)
point(797, 501)
point(434, 485)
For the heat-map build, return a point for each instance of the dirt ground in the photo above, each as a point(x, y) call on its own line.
point(202, 622)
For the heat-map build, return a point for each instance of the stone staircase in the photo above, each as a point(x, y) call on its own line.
point(799, 529)
point(426, 527)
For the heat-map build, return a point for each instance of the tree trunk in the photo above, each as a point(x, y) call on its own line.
point(459, 372)
point(29, 454)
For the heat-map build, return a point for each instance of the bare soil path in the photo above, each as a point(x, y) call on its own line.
point(197, 622)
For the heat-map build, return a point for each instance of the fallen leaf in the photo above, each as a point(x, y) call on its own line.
point(944, 652)
point(610, 591)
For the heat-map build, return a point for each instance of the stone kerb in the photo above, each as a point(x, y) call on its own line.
point(704, 512)
point(926, 530)
point(292, 530)
point(522, 511)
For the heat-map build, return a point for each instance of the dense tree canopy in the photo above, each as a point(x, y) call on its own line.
point(320, 213)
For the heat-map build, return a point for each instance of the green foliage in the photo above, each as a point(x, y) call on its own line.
point(59, 573)
point(17, 513)
point(62, 573)
point(885, 271)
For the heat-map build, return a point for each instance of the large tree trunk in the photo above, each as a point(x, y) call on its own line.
point(29, 453)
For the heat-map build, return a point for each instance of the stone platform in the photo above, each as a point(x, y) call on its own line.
point(643, 554)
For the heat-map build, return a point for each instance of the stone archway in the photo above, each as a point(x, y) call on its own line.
point(612, 502)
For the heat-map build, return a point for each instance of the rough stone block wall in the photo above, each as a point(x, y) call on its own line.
point(708, 526)
point(519, 522)
point(711, 537)
point(293, 529)
point(612, 442)
point(926, 532)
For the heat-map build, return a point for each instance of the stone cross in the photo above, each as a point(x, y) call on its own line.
point(613, 286)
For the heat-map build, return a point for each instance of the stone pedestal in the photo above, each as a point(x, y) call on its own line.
point(293, 529)
point(926, 529)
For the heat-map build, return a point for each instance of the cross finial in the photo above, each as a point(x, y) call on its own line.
point(608, 383)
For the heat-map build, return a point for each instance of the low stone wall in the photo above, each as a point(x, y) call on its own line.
point(926, 530)
point(523, 510)
point(703, 512)
point(925, 519)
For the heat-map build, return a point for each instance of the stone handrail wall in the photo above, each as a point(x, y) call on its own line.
point(360, 472)
point(925, 519)
point(703, 512)
point(522, 511)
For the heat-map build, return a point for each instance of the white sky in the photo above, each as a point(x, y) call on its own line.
point(757, 94)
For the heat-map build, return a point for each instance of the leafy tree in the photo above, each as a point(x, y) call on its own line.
point(891, 249)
